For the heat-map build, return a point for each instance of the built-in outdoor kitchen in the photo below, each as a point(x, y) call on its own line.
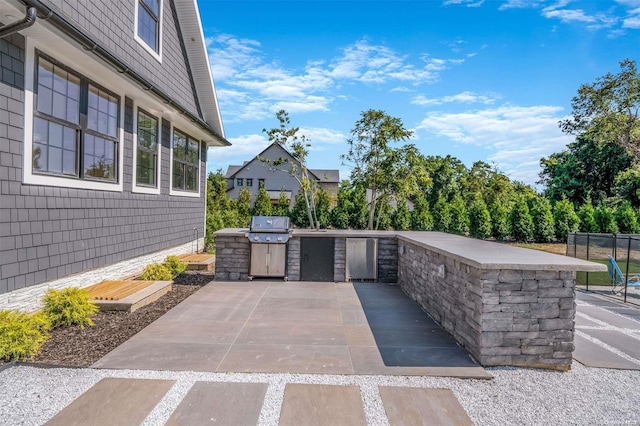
point(506, 305)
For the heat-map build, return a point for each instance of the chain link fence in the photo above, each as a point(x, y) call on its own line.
point(624, 248)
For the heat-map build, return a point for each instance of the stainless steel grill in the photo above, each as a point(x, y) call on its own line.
point(268, 236)
point(269, 229)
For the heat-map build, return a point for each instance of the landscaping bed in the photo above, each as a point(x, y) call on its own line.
point(73, 346)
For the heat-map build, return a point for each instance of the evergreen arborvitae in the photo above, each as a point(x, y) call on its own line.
point(626, 219)
point(459, 216)
point(282, 206)
point(244, 207)
point(401, 218)
point(565, 218)
point(543, 224)
point(520, 221)
point(299, 214)
point(499, 220)
point(421, 218)
point(441, 215)
point(605, 219)
point(383, 214)
point(262, 204)
point(586, 214)
point(479, 219)
point(323, 208)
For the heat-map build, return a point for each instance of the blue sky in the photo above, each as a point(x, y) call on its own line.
point(477, 79)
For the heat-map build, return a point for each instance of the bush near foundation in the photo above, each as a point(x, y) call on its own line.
point(22, 334)
point(69, 306)
point(173, 264)
point(156, 272)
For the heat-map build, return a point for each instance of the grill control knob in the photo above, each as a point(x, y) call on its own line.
point(268, 239)
point(256, 238)
point(279, 238)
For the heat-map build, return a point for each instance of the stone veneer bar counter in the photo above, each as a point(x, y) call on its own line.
point(506, 305)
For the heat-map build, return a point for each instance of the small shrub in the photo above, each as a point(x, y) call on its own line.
point(21, 335)
point(156, 272)
point(175, 265)
point(69, 306)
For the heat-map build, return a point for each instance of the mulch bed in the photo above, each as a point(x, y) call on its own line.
point(73, 346)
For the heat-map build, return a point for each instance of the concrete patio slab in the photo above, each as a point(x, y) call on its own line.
point(144, 353)
point(305, 327)
point(623, 342)
point(112, 402)
point(593, 355)
point(305, 404)
point(414, 406)
point(222, 404)
point(609, 317)
point(286, 358)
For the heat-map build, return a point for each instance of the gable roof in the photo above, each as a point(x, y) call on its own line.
point(196, 48)
point(322, 175)
point(327, 175)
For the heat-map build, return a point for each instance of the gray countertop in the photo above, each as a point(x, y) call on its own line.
point(478, 253)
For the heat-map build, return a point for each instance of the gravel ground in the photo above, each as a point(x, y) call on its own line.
point(583, 396)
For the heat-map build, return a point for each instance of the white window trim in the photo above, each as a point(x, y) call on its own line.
point(28, 177)
point(156, 55)
point(135, 187)
point(177, 192)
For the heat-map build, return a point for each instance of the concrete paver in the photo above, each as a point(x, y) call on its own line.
point(418, 406)
point(275, 327)
point(221, 404)
point(594, 355)
point(306, 404)
point(623, 342)
point(112, 402)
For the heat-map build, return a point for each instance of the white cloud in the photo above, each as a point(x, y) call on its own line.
point(243, 149)
point(520, 4)
point(468, 3)
point(517, 136)
point(625, 15)
point(465, 97)
point(319, 135)
point(252, 88)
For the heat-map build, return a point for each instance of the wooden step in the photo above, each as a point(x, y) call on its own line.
point(198, 261)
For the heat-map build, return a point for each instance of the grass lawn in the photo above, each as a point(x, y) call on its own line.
point(555, 248)
point(602, 278)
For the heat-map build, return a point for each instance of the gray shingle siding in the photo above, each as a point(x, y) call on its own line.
point(48, 232)
point(111, 23)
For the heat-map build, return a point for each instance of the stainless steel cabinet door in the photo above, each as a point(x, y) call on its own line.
point(276, 260)
point(259, 259)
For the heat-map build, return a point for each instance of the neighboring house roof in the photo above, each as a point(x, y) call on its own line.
point(327, 175)
point(232, 171)
point(323, 175)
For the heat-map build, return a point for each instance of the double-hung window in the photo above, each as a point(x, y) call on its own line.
point(249, 182)
point(148, 25)
point(147, 150)
point(75, 125)
point(186, 154)
point(239, 181)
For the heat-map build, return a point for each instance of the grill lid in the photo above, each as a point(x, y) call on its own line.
point(276, 224)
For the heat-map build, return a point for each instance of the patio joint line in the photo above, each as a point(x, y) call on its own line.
point(242, 328)
point(608, 347)
point(335, 289)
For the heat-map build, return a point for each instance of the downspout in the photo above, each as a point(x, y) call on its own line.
point(28, 21)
